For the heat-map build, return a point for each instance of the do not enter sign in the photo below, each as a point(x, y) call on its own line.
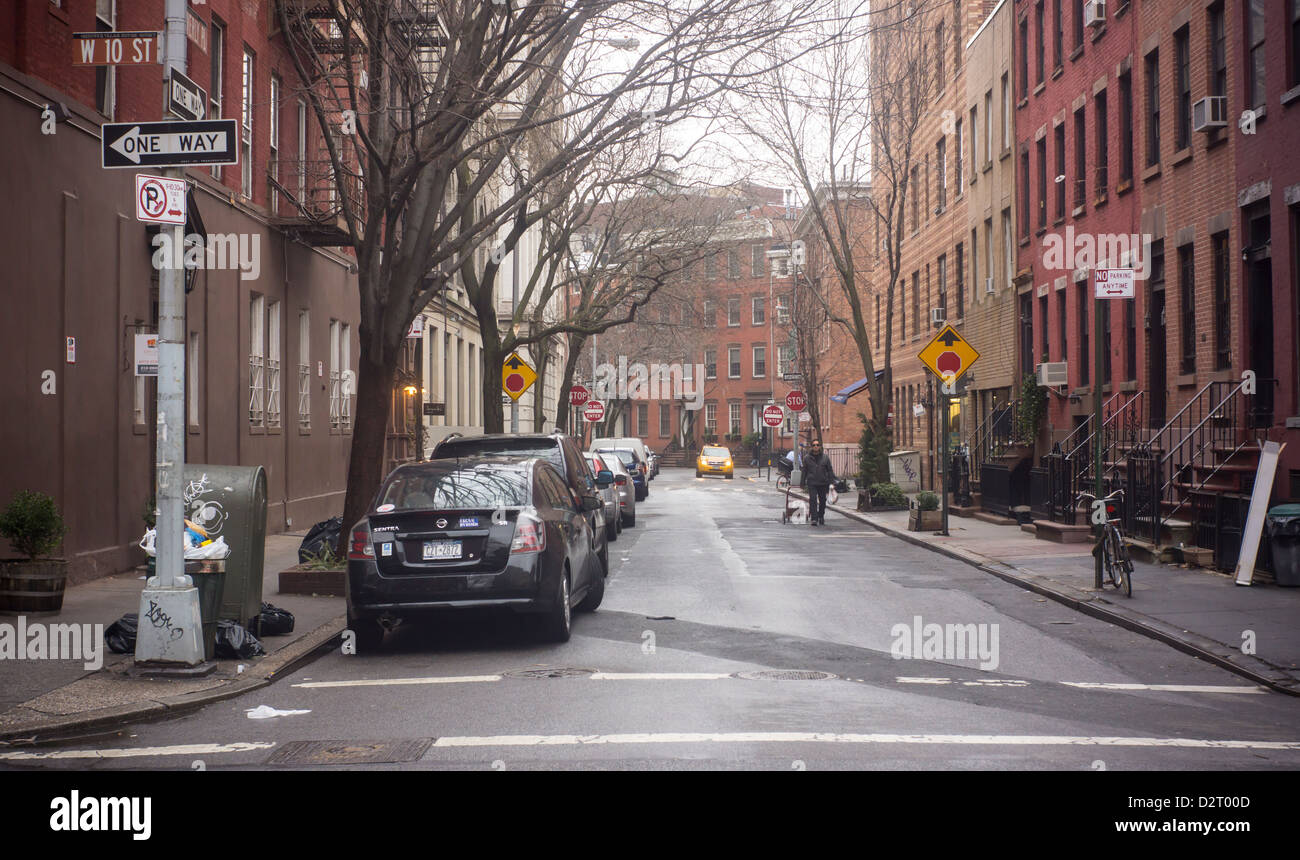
point(594, 411)
point(795, 401)
point(773, 415)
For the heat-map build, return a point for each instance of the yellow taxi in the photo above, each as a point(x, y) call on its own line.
point(714, 460)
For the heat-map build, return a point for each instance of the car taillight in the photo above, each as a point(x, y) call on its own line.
point(530, 535)
point(621, 480)
point(360, 548)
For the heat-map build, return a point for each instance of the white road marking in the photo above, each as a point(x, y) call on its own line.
point(393, 682)
point(659, 676)
point(138, 752)
point(838, 738)
point(1168, 688)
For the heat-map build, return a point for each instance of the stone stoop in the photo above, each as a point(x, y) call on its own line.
point(985, 516)
point(1062, 533)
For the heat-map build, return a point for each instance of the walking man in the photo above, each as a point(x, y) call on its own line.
point(818, 476)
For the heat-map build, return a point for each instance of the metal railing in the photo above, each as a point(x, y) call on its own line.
point(992, 436)
point(1070, 464)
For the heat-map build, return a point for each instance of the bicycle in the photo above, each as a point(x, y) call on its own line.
point(1115, 560)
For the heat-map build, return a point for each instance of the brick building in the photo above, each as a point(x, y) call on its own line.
point(268, 343)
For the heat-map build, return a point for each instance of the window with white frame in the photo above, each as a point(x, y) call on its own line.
point(336, 408)
point(710, 364)
point(105, 76)
point(711, 418)
point(733, 312)
point(733, 415)
point(274, 167)
point(733, 362)
point(246, 128)
point(783, 310)
point(758, 264)
point(665, 420)
point(784, 360)
point(760, 310)
point(760, 360)
point(304, 369)
point(345, 401)
point(643, 419)
point(217, 78)
point(273, 365)
point(257, 361)
point(302, 153)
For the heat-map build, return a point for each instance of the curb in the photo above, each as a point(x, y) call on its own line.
point(273, 667)
point(1260, 671)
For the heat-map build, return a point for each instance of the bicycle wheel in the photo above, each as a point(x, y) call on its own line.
point(782, 483)
point(1117, 563)
point(1125, 563)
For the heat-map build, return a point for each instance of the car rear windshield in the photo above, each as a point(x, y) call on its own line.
point(514, 448)
point(716, 452)
point(482, 486)
point(628, 458)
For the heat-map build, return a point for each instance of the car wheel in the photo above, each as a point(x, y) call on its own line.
point(594, 596)
point(611, 530)
point(730, 475)
point(697, 474)
point(557, 624)
point(368, 634)
point(629, 520)
point(619, 521)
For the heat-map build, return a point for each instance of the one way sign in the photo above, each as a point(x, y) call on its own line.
point(170, 144)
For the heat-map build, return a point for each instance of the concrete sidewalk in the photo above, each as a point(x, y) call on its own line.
point(43, 700)
point(1198, 611)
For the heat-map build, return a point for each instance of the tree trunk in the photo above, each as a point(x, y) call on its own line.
point(366, 458)
point(493, 358)
point(576, 343)
point(542, 351)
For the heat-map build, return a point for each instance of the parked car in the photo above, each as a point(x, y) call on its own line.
point(476, 532)
point(608, 492)
point(561, 451)
point(622, 442)
point(635, 468)
point(626, 486)
point(652, 460)
point(714, 460)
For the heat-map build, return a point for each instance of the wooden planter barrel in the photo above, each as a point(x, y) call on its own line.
point(32, 587)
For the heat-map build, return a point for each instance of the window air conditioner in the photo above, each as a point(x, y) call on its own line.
point(1210, 113)
point(1094, 13)
point(1053, 373)
point(937, 316)
point(988, 286)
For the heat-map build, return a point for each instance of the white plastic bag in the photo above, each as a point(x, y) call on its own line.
point(832, 497)
point(218, 549)
point(146, 543)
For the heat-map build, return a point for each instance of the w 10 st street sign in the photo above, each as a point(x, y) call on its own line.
point(170, 144)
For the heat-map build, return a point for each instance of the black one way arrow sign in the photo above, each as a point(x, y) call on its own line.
point(170, 144)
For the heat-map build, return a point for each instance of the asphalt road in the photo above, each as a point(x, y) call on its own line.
point(710, 585)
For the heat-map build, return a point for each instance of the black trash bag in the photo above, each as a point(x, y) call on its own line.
point(325, 532)
point(274, 621)
point(234, 642)
point(120, 635)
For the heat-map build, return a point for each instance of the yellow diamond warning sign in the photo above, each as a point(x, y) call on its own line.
point(949, 355)
point(516, 376)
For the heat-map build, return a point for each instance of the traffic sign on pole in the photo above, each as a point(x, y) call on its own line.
point(795, 401)
point(594, 411)
point(773, 415)
point(1114, 284)
point(171, 143)
point(948, 355)
point(578, 395)
point(516, 376)
point(159, 200)
point(127, 48)
point(185, 98)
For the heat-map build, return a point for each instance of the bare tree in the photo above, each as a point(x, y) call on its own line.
point(450, 124)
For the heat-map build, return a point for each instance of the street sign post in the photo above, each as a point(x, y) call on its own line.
point(948, 356)
point(516, 376)
point(127, 48)
point(159, 200)
point(795, 401)
point(773, 415)
point(1107, 284)
point(170, 143)
point(185, 98)
point(594, 411)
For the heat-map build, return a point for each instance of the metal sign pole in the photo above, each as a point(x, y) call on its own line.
point(1097, 347)
point(945, 400)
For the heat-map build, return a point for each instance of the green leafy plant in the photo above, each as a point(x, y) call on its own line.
point(927, 501)
point(1031, 410)
point(873, 453)
point(324, 559)
point(888, 495)
point(150, 513)
point(32, 523)
point(750, 440)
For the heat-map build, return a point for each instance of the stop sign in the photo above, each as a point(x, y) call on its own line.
point(795, 401)
point(773, 415)
point(578, 395)
point(594, 411)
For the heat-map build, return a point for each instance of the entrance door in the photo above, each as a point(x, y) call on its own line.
point(1157, 381)
point(1260, 284)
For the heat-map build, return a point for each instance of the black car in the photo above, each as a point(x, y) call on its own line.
point(472, 533)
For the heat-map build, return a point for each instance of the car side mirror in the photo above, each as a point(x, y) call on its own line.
point(592, 503)
point(604, 478)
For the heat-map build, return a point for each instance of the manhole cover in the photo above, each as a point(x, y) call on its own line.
point(349, 752)
point(560, 672)
point(785, 675)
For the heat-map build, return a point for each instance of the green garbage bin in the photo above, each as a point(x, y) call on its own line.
point(230, 502)
point(209, 578)
point(1284, 541)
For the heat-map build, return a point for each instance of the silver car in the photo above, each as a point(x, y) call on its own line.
point(610, 495)
point(626, 488)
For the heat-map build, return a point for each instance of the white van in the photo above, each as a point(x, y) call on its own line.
point(631, 442)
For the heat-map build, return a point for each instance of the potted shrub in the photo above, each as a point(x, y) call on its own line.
point(35, 584)
point(887, 496)
point(925, 514)
point(323, 572)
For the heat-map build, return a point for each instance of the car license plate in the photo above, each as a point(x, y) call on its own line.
point(436, 550)
point(715, 462)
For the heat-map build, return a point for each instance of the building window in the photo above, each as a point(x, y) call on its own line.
point(1102, 152)
point(1008, 247)
point(1255, 95)
point(273, 167)
point(1062, 323)
point(710, 314)
point(959, 280)
point(643, 420)
point(914, 190)
point(758, 261)
point(959, 158)
point(733, 414)
point(1006, 112)
point(192, 358)
point(1043, 327)
point(940, 49)
point(1182, 68)
point(665, 420)
point(1294, 46)
point(1024, 58)
point(710, 364)
point(784, 360)
point(733, 264)
point(941, 165)
point(340, 363)
point(1080, 159)
point(711, 419)
point(246, 128)
point(1130, 341)
point(1026, 334)
point(760, 361)
point(782, 310)
point(988, 127)
point(1153, 107)
point(304, 370)
point(916, 303)
point(273, 365)
point(759, 310)
point(302, 153)
point(1059, 134)
point(974, 142)
point(1222, 302)
point(733, 312)
point(975, 265)
point(1081, 310)
point(733, 362)
point(711, 267)
point(1042, 183)
point(1126, 127)
point(1218, 51)
point(1040, 46)
point(1187, 311)
point(257, 361)
point(1059, 17)
point(105, 76)
point(1078, 22)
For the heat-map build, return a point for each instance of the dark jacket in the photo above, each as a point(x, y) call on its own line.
point(817, 470)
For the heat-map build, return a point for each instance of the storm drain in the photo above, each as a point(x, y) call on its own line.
point(558, 672)
point(785, 675)
point(350, 752)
